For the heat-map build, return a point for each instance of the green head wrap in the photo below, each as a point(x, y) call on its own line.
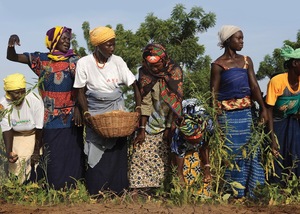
point(289, 53)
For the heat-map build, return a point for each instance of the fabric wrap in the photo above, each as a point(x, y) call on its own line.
point(99, 103)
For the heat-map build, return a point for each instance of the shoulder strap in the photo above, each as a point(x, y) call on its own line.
point(246, 65)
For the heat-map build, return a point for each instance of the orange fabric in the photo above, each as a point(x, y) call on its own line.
point(234, 104)
point(276, 87)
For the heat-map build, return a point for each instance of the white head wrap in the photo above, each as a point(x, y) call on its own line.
point(226, 32)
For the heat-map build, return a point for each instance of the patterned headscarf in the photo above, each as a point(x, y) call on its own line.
point(171, 84)
point(154, 52)
point(226, 32)
point(289, 53)
point(14, 82)
point(52, 37)
point(101, 35)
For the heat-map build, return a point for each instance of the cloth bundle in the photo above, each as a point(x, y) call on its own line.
point(193, 127)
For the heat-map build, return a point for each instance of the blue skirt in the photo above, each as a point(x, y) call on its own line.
point(63, 153)
point(110, 173)
point(288, 135)
point(238, 133)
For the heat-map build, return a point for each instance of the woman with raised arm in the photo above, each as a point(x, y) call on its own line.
point(62, 135)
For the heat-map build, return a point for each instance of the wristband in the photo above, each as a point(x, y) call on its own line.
point(86, 112)
point(138, 107)
point(142, 127)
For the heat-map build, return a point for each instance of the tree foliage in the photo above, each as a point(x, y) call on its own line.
point(274, 64)
point(179, 34)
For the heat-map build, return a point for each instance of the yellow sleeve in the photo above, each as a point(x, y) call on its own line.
point(274, 90)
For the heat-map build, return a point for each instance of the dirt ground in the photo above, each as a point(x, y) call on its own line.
point(147, 208)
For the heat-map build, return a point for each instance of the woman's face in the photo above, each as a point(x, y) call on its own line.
point(17, 96)
point(107, 48)
point(236, 41)
point(297, 66)
point(155, 67)
point(64, 43)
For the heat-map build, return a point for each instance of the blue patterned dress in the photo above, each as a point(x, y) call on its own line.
point(236, 120)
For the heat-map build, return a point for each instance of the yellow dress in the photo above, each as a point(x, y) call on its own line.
point(191, 172)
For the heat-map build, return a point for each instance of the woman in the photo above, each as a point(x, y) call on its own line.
point(99, 77)
point(189, 143)
point(233, 86)
point(160, 84)
point(61, 136)
point(283, 100)
point(21, 125)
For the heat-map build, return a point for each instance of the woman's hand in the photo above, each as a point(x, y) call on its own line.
point(264, 118)
point(275, 149)
point(77, 117)
point(140, 138)
point(35, 158)
point(13, 39)
point(87, 119)
point(12, 157)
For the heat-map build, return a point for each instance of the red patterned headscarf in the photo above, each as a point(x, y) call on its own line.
point(171, 76)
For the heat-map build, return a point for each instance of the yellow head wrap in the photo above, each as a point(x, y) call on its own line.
point(14, 82)
point(52, 37)
point(100, 35)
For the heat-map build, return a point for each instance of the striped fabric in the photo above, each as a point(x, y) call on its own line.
point(237, 125)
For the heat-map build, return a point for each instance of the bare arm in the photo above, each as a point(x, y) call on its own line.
point(274, 145)
point(11, 51)
point(82, 102)
point(37, 146)
point(38, 140)
point(215, 78)
point(146, 103)
point(81, 99)
point(8, 138)
point(77, 117)
point(256, 92)
point(137, 94)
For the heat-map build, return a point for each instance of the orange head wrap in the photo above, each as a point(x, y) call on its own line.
point(100, 35)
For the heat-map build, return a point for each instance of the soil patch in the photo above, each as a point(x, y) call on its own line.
point(147, 208)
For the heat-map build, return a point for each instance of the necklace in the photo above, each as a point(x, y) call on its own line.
point(99, 65)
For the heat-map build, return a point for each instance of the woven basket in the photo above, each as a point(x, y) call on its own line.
point(115, 123)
